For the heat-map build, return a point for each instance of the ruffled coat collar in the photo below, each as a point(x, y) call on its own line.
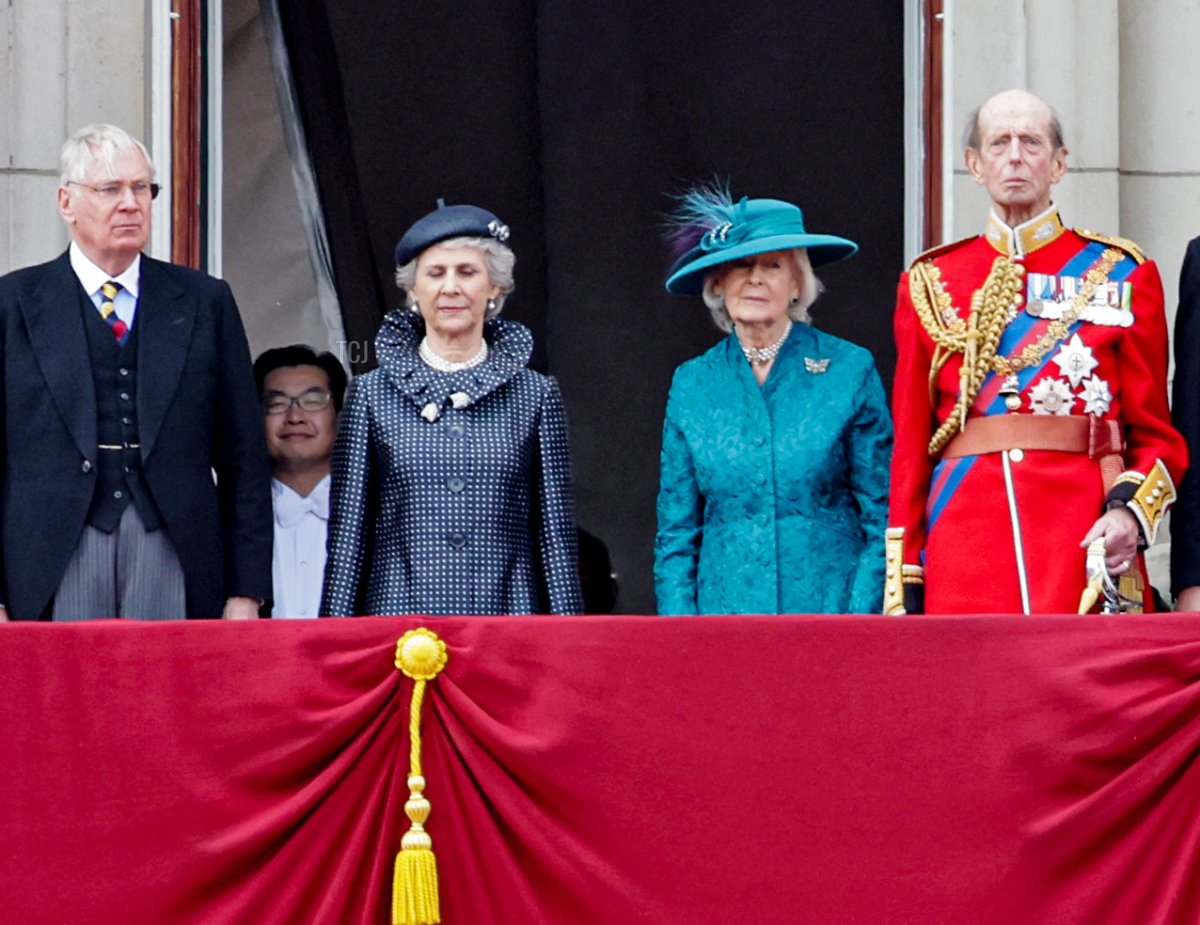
point(510, 346)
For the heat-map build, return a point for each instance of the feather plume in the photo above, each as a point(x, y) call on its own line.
point(700, 210)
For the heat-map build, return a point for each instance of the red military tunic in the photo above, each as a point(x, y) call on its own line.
point(1082, 334)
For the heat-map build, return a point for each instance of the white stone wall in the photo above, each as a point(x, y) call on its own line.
point(63, 63)
point(1125, 78)
point(1066, 51)
point(1160, 131)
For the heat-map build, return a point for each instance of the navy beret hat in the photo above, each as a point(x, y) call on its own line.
point(448, 222)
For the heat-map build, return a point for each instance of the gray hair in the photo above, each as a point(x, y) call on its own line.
point(972, 140)
point(498, 257)
point(810, 288)
point(97, 143)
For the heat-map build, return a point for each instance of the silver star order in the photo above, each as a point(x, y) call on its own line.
point(1076, 361)
point(1096, 396)
point(1051, 396)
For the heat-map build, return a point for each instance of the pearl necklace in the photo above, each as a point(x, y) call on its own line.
point(761, 356)
point(443, 365)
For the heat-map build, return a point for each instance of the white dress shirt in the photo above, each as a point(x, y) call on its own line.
point(91, 277)
point(298, 568)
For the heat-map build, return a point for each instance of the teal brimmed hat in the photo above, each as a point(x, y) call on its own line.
point(711, 229)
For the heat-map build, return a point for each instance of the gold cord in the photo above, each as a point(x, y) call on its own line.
point(978, 338)
point(420, 655)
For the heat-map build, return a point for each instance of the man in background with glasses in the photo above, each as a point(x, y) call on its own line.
point(134, 473)
point(301, 396)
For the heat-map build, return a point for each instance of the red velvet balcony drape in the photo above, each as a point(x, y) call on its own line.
point(607, 770)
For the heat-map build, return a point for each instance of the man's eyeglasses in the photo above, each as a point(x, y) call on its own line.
point(111, 192)
point(312, 400)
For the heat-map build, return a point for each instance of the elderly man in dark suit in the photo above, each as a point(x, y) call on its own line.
point(1185, 410)
point(134, 478)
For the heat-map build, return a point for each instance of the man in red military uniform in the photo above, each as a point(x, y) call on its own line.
point(1030, 397)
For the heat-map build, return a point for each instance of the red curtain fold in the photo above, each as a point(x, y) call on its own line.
point(607, 770)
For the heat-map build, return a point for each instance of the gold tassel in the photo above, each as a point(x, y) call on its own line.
point(421, 655)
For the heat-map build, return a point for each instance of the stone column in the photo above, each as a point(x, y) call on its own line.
point(1069, 53)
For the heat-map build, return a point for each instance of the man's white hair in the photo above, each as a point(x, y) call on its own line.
point(97, 143)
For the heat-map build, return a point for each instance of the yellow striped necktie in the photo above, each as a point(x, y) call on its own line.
point(108, 311)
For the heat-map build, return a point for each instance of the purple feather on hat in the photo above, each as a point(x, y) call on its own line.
point(701, 209)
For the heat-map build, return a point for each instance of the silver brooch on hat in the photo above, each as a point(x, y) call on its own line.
point(498, 230)
point(717, 237)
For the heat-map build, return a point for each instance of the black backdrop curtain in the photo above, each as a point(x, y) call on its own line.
point(573, 120)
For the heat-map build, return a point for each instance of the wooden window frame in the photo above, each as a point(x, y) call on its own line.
point(932, 104)
point(187, 106)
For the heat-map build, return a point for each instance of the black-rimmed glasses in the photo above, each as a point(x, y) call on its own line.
point(281, 403)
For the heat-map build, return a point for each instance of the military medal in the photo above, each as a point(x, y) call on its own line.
point(1051, 396)
point(1096, 396)
point(1011, 390)
point(1076, 360)
point(1109, 303)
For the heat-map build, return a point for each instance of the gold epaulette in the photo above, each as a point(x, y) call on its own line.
point(1155, 493)
point(1123, 243)
point(941, 249)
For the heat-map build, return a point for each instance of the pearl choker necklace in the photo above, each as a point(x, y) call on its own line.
point(761, 356)
point(431, 359)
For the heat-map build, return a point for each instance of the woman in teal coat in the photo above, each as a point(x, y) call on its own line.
point(776, 444)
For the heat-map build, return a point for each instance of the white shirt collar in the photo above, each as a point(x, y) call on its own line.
point(91, 277)
point(290, 508)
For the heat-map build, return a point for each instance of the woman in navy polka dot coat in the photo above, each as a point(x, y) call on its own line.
point(451, 476)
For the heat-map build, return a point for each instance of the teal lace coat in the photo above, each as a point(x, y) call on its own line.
point(773, 498)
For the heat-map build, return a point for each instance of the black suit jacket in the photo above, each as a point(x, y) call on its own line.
point(198, 413)
point(1185, 410)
